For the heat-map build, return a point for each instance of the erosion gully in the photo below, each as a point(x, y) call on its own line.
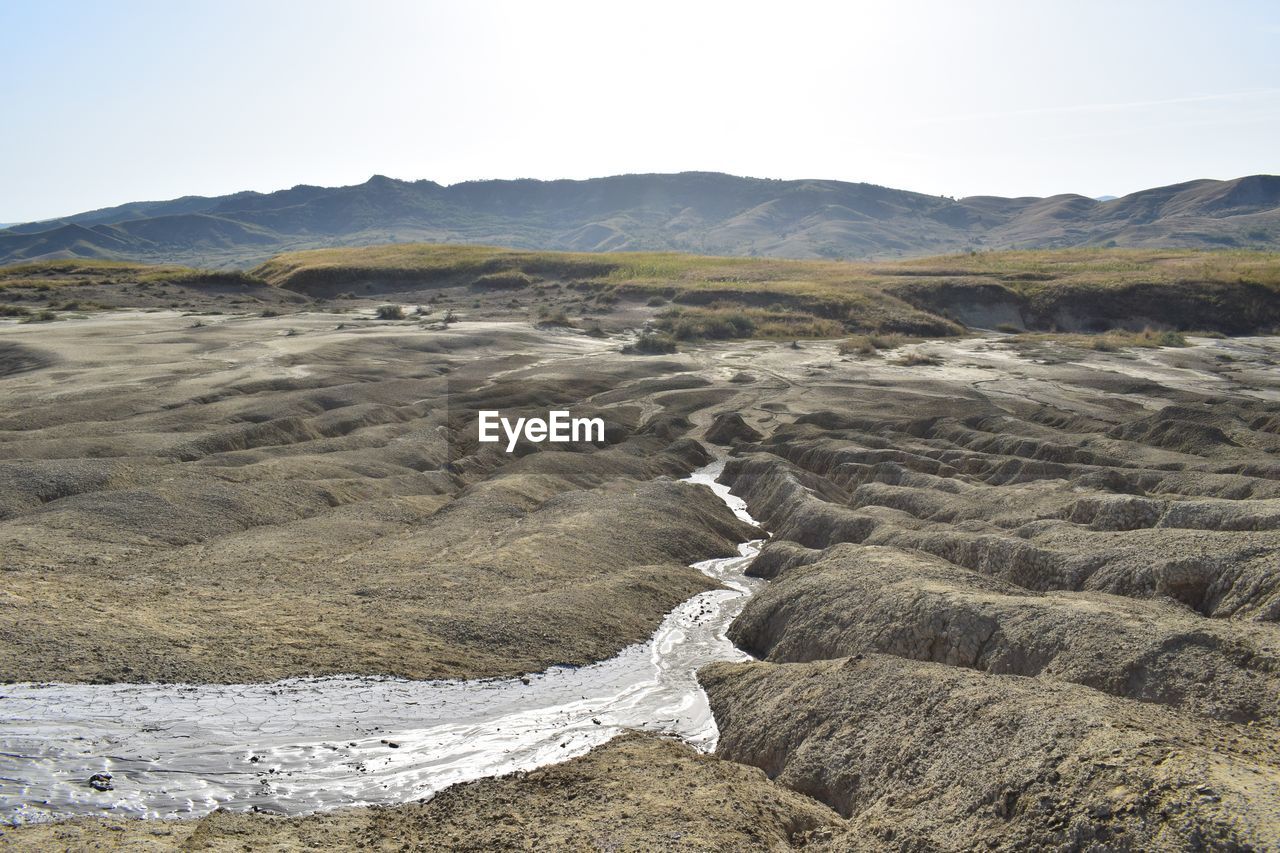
point(304, 745)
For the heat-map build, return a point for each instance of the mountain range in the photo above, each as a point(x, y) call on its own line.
point(699, 212)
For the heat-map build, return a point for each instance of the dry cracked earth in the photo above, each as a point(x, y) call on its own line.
point(1023, 598)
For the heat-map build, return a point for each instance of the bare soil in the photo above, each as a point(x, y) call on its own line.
point(1020, 598)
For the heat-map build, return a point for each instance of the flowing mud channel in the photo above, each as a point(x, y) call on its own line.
point(303, 745)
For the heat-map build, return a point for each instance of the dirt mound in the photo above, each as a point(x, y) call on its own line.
point(857, 599)
point(18, 358)
point(922, 753)
point(729, 428)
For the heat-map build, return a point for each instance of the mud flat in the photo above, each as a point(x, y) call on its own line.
point(268, 498)
point(302, 745)
point(1018, 596)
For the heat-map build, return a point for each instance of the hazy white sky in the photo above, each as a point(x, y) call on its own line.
point(111, 102)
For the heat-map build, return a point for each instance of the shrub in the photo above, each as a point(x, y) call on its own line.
point(714, 324)
point(554, 318)
point(868, 344)
point(918, 359)
point(652, 343)
point(503, 280)
point(45, 316)
point(390, 312)
point(856, 345)
point(13, 311)
point(270, 313)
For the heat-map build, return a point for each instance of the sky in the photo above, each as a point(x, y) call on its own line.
point(104, 103)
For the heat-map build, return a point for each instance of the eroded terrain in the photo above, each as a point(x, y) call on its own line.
point(1019, 595)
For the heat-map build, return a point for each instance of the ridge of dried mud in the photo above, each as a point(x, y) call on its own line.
point(1030, 610)
point(1017, 600)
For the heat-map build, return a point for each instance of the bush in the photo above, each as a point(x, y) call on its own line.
point(504, 280)
point(45, 316)
point(390, 312)
point(869, 344)
point(918, 359)
point(558, 317)
point(715, 324)
point(652, 343)
point(13, 311)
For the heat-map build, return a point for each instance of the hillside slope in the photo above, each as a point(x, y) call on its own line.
point(699, 212)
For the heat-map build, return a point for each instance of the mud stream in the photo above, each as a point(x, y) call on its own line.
point(303, 745)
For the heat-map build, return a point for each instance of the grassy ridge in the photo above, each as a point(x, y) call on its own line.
point(66, 273)
point(1079, 289)
point(1073, 290)
point(1023, 271)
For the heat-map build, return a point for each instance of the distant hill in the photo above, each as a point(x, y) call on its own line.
point(700, 212)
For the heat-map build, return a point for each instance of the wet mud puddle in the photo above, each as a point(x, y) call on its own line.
point(304, 745)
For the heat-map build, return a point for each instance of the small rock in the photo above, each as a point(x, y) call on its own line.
point(101, 782)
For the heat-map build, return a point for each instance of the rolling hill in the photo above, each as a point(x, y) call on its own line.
point(698, 212)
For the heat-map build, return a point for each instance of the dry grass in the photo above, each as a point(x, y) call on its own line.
point(72, 273)
point(918, 359)
point(869, 344)
point(652, 343)
point(726, 322)
point(1112, 341)
point(1019, 270)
